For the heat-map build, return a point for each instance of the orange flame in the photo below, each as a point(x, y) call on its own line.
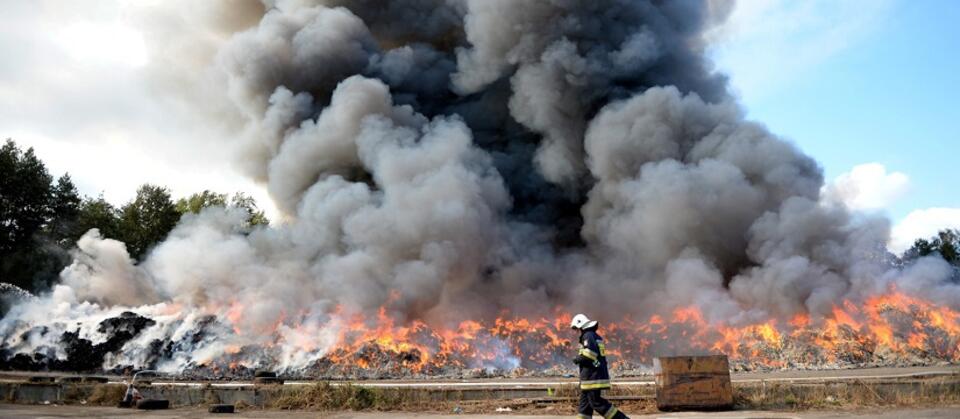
point(891, 324)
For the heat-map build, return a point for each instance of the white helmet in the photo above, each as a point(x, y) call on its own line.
point(580, 321)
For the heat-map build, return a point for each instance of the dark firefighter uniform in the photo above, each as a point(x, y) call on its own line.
point(594, 377)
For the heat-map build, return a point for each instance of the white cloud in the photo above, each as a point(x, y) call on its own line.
point(871, 186)
point(922, 223)
point(866, 187)
point(766, 44)
point(75, 85)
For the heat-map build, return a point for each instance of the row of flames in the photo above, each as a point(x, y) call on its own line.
point(892, 328)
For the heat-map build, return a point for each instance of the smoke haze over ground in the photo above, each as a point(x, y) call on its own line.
point(462, 159)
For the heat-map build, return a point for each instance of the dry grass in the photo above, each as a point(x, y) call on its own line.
point(209, 395)
point(74, 392)
point(846, 395)
point(324, 396)
point(573, 390)
point(107, 394)
point(243, 405)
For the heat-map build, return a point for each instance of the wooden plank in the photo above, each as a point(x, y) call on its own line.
point(692, 364)
point(693, 382)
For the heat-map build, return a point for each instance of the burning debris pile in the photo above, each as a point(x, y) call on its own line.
point(891, 329)
point(457, 175)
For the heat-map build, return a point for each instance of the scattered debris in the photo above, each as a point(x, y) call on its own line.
point(221, 408)
point(153, 404)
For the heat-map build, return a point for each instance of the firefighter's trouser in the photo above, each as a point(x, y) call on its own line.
point(591, 401)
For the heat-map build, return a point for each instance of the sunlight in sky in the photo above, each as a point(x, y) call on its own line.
point(103, 44)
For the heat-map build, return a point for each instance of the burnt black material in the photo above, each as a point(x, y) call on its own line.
point(221, 408)
point(82, 354)
point(153, 404)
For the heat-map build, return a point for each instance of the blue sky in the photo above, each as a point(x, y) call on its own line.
point(860, 82)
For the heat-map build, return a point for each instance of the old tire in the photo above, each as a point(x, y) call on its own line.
point(221, 408)
point(153, 404)
point(264, 374)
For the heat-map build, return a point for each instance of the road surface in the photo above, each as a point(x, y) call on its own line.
point(22, 412)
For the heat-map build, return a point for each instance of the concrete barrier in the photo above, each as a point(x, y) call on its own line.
point(195, 394)
point(18, 390)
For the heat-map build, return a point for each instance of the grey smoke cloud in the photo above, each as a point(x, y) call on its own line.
point(565, 59)
point(468, 158)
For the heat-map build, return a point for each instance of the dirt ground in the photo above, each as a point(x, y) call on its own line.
point(22, 411)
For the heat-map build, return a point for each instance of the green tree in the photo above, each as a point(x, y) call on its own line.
point(921, 247)
point(25, 194)
point(946, 244)
point(147, 219)
point(100, 214)
point(40, 220)
point(198, 201)
point(27, 259)
point(64, 212)
point(256, 216)
point(949, 241)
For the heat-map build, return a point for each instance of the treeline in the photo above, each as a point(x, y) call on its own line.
point(946, 244)
point(41, 218)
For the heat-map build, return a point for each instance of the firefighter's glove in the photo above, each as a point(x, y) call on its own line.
point(576, 360)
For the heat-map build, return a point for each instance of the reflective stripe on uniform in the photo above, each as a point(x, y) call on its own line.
point(610, 413)
point(594, 384)
point(588, 354)
point(582, 416)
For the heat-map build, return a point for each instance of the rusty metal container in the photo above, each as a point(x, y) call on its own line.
point(693, 382)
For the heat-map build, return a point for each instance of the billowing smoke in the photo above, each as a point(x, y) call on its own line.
point(449, 160)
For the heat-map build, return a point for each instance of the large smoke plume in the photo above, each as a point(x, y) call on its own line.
point(461, 159)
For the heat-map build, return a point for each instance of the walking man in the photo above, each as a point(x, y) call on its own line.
point(594, 377)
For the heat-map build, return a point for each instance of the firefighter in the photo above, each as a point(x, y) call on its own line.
point(594, 377)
